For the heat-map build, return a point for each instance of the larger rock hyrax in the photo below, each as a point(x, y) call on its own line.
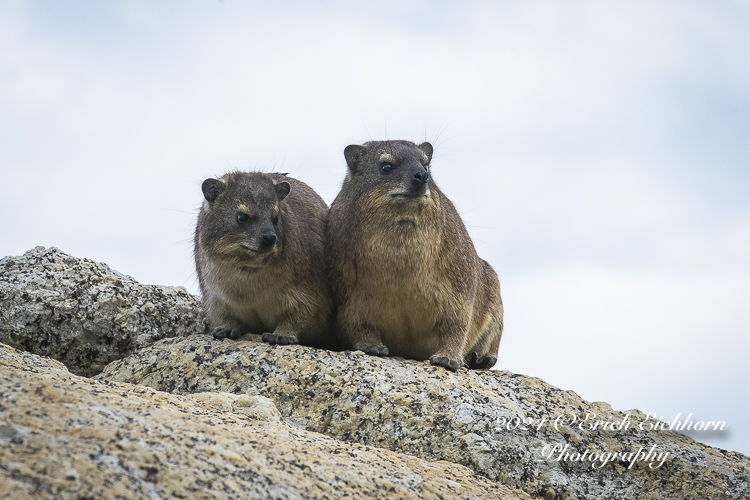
point(404, 273)
point(259, 258)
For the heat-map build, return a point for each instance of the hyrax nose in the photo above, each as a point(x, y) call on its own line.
point(269, 238)
point(421, 177)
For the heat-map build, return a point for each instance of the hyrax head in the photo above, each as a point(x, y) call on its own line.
point(399, 170)
point(240, 218)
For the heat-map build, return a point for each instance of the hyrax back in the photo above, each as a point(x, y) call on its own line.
point(404, 273)
point(259, 258)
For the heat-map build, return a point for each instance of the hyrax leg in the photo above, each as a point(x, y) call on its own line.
point(362, 337)
point(225, 324)
point(489, 358)
point(483, 354)
point(305, 321)
point(226, 332)
point(372, 349)
point(285, 334)
point(483, 362)
point(452, 339)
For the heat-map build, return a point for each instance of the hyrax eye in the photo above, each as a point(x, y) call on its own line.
point(242, 218)
point(386, 168)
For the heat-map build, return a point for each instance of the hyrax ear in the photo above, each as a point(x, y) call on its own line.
point(212, 188)
point(282, 189)
point(426, 147)
point(354, 155)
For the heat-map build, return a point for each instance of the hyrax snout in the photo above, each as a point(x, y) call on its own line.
point(259, 258)
point(405, 275)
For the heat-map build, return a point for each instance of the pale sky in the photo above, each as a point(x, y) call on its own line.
point(599, 154)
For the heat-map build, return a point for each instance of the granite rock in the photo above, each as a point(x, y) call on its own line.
point(473, 418)
point(85, 314)
point(242, 418)
point(68, 437)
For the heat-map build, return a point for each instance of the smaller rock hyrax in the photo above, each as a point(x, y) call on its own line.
point(259, 258)
point(404, 273)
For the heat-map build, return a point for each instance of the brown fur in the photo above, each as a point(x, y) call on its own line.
point(249, 285)
point(404, 272)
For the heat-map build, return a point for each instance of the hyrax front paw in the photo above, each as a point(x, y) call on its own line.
point(445, 362)
point(225, 332)
point(274, 339)
point(373, 350)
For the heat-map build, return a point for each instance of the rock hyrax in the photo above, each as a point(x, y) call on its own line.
point(404, 273)
point(259, 258)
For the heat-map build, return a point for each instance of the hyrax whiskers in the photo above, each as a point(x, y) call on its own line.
point(405, 275)
point(259, 258)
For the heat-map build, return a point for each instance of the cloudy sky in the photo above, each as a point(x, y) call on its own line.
point(599, 154)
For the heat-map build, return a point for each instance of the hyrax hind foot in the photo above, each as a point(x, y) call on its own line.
point(225, 332)
point(274, 339)
point(445, 362)
point(485, 362)
point(372, 350)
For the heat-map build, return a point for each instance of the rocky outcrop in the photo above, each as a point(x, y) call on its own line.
point(69, 437)
point(242, 419)
point(473, 418)
point(85, 314)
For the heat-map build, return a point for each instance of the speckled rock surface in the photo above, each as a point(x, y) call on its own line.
point(462, 417)
point(85, 314)
point(69, 437)
point(63, 436)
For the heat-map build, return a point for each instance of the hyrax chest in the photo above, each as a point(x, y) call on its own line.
point(257, 300)
point(400, 294)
